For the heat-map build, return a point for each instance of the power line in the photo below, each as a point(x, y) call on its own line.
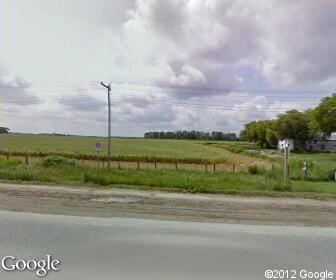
point(192, 88)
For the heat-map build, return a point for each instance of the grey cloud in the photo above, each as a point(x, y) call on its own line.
point(293, 41)
point(302, 49)
point(154, 115)
point(14, 92)
point(167, 17)
point(86, 104)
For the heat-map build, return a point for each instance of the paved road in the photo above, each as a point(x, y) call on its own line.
point(122, 248)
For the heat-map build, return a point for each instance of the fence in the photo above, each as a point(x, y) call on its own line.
point(138, 164)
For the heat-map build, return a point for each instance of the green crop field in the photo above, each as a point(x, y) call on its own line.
point(120, 147)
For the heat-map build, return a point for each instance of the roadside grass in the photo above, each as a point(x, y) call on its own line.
point(321, 166)
point(264, 183)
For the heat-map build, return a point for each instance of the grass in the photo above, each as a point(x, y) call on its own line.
point(167, 180)
point(176, 149)
point(322, 166)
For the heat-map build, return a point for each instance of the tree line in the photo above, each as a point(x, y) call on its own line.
point(296, 125)
point(4, 130)
point(191, 135)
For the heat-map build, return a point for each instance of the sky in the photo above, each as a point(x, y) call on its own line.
point(173, 64)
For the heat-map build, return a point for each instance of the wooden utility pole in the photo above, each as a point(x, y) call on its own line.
point(109, 123)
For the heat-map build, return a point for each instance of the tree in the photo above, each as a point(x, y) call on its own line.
point(294, 125)
point(4, 130)
point(271, 138)
point(261, 132)
point(323, 117)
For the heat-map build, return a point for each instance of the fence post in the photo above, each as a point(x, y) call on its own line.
point(26, 158)
point(206, 168)
point(233, 168)
point(119, 167)
point(138, 165)
point(176, 165)
point(214, 168)
point(155, 166)
point(7, 155)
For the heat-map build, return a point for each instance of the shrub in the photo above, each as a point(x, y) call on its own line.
point(22, 175)
point(330, 176)
point(51, 161)
point(235, 150)
point(282, 188)
point(256, 170)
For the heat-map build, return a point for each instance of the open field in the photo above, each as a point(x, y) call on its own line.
point(122, 146)
point(178, 172)
point(128, 150)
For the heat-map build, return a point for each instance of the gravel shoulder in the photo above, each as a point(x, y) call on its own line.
point(93, 202)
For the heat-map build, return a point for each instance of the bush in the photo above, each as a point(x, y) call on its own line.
point(256, 170)
point(235, 150)
point(330, 176)
point(21, 175)
point(51, 161)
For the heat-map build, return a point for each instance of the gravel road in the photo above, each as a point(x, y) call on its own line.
point(93, 202)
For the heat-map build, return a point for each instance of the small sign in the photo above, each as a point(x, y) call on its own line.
point(99, 146)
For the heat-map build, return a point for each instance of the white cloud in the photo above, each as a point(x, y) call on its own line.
point(52, 49)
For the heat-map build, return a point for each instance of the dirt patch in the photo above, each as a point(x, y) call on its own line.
point(172, 206)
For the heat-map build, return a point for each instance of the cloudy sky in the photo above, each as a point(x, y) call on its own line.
point(173, 64)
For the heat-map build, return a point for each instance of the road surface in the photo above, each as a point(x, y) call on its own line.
point(124, 248)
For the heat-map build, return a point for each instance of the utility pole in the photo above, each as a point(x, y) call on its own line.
point(109, 122)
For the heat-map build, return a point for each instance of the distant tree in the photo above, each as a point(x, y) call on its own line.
point(4, 130)
point(194, 135)
point(323, 117)
point(294, 125)
point(261, 132)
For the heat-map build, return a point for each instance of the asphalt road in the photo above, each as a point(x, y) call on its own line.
point(122, 248)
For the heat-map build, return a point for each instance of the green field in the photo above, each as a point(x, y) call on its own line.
point(120, 147)
point(252, 180)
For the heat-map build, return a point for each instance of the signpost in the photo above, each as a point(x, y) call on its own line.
point(99, 148)
point(286, 161)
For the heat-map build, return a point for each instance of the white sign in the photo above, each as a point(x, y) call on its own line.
point(288, 143)
point(99, 147)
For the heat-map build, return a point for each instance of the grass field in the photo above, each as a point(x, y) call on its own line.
point(122, 146)
point(247, 181)
point(146, 150)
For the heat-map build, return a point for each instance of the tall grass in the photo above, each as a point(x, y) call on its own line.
point(265, 182)
point(145, 159)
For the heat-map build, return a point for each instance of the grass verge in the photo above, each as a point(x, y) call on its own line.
point(260, 184)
